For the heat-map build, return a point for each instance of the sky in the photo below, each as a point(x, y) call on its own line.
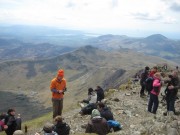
point(127, 17)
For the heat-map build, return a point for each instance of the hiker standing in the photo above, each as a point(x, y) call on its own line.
point(58, 87)
point(144, 76)
point(10, 121)
point(100, 93)
point(153, 101)
point(171, 91)
point(153, 71)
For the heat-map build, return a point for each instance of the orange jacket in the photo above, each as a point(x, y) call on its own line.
point(60, 86)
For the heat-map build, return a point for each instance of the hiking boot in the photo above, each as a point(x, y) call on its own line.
point(84, 126)
point(165, 113)
point(142, 95)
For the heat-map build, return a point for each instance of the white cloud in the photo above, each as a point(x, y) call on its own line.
point(91, 14)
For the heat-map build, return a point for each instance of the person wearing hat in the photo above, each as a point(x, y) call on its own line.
point(10, 121)
point(48, 129)
point(97, 124)
point(58, 87)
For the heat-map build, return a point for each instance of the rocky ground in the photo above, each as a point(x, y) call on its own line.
point(131, 111)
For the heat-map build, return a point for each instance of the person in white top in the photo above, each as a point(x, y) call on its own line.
point(91, 102)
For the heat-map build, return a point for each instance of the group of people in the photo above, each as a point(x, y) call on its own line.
point(94, 96)
point(158, 79)
point(102, 119)
point(9, 123)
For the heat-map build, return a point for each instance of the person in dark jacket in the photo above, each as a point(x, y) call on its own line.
point(171, 91)
point(144, 76)
point(97, 124)
point(18, 122)
point(61, 127)
point(10, 121)
point(105, 112)
point(100, 93)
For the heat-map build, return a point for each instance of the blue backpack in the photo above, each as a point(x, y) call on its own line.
point(114, 124)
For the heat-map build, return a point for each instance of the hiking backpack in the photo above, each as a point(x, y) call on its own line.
point(114, 124)
point(149, 83)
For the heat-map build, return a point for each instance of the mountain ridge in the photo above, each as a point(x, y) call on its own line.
point(82, 70)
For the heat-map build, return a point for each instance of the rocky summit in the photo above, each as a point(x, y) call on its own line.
point(131, 111)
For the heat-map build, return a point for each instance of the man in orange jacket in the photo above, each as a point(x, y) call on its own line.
point(58, 87)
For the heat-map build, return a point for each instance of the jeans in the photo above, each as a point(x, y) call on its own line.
point(142, 89)
point(153, 103)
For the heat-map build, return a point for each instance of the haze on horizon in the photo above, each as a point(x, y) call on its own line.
point(127, 17)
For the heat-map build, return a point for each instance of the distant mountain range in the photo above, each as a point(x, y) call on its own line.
point(157, 45)
point(36, 42)
point(18, 50)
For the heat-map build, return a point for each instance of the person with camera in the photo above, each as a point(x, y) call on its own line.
point(58, 87)
point(171, 91)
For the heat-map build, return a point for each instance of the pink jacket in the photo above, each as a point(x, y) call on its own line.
point(1, 125)
point(156, 83)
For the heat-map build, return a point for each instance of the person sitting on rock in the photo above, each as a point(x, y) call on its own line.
point(100, 93)
point(61, 127)
point(153, 101)
point(48, 129)
point(105, 112)
point(97, 124)
point(92, 99)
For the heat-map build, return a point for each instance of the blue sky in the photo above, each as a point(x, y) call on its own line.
point(130, 17)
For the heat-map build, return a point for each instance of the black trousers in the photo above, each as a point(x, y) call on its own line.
point(153, 103)
point(170, 103)
point(142, 88)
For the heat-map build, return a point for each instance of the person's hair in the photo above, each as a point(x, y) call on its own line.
point(58, 118)
point(90, 90)
point(2, 116)
point(158, 74)
point(10, 110)
point(101, 105)
point(98, 87)
point(155, 67)
point(175, 72)
point(48, 127)
point(146, 68)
